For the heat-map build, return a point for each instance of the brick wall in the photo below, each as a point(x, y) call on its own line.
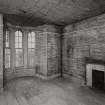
point(81, 40)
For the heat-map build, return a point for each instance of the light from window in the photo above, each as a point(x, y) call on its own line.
point(7, 39)
point(19, 58)
point(31, 40)
point(18, 49)
point(18, 39)
point(31, 49)
point(7, 58)
point(7, 49)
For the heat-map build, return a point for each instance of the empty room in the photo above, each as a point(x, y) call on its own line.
point(52, 52)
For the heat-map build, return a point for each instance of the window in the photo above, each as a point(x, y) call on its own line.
point(7, 49)
point(31, 49)
point(18, 49)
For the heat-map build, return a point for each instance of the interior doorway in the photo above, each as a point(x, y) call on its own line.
point(98, 79)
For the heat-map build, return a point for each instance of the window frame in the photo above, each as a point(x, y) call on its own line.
point(7, 48)
point(18, 48)
point(31, 48)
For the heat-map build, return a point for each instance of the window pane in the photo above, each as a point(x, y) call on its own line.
point(20, 33)
point(19, 57)
point(31, 49)
point(16, 33)
point(29, 34)
point(29, 45)
point(33, 34)
point(7, 58)
point(18, 39)
point(33, 45)
point(31, 57)
point(7, 44)
point(7, 50)
point(33, 39)
point(16, 45)
point(29, 39)
point(20, 45)
point(7, 39)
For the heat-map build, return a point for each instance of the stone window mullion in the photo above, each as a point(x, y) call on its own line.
point(25, 47)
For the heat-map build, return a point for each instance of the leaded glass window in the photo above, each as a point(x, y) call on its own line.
point(7, 49)
point(31, 49)
point(18, 49)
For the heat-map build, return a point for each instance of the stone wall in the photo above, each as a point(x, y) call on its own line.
point(1, 52)
point(81, 40)
point(41, 54)
point(53, 53)
point(48, 51)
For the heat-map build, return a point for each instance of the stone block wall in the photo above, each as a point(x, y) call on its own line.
point(48, 51)
point(81, 40)
point(41, 54)
point(53, 53)
point(1, 52)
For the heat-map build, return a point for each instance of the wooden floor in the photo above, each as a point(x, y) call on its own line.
point(33, 91)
